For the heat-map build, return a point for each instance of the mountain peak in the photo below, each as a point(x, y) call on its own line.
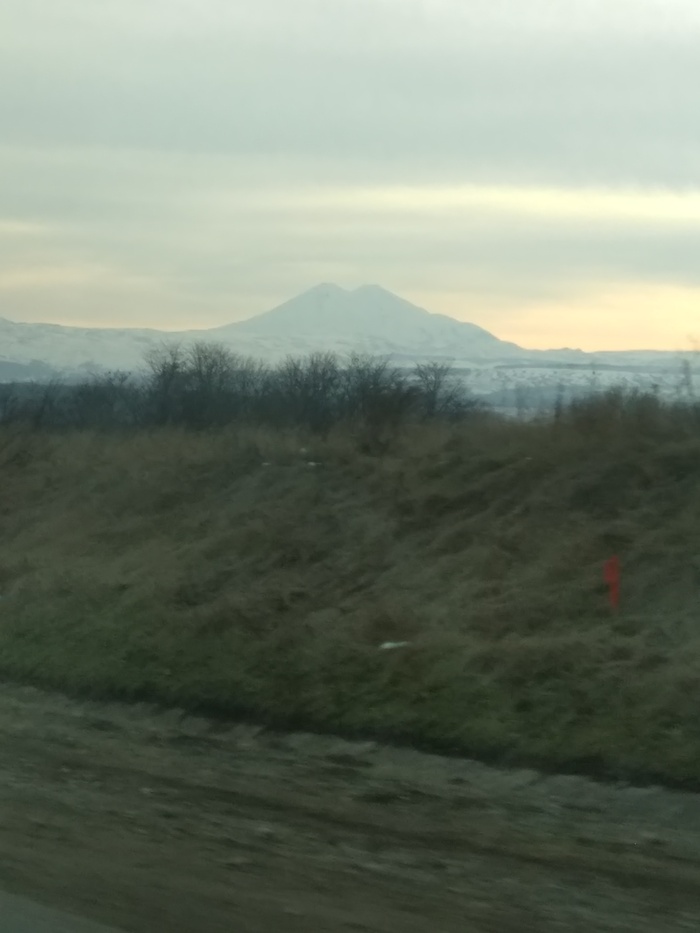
point(369, 318)
point(372, 289)
point(324, 288)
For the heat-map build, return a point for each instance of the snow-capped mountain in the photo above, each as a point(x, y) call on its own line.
point(327, 317)
point(368, 319)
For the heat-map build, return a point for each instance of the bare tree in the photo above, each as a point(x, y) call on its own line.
point(166, 366)
point(111, 399)
point(442, 393)
point(378, 397)
point(309, 390)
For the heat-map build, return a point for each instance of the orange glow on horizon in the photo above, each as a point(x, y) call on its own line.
point(625, 317)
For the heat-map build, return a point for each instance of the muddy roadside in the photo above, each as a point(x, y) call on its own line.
point(149, 820)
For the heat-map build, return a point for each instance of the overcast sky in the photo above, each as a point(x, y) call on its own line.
point(533, 167)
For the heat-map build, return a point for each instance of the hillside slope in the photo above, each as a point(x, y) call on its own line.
point(369, 318)
point(224, 572)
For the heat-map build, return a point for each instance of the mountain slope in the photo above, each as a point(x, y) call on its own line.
point(369, 318)
point(74, 349)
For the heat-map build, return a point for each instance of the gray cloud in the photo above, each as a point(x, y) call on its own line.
point(470, 96)
point(176, 240)
point(167, 148)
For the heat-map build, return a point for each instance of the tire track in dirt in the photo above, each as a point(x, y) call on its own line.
point(149, 820)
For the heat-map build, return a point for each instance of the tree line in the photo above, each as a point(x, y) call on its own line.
point(206, 385)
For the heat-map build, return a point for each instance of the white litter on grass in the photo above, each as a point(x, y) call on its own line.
point(392, 645)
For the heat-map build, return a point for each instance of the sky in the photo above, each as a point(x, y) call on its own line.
point(531, 167)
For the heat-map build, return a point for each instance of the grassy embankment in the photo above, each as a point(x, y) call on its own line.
point(177, 567)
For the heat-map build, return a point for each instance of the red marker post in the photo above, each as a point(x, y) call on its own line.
point(612, 578)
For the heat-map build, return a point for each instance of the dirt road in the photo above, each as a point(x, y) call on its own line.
point(154, 821)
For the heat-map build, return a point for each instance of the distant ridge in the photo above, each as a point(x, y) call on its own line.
point(327, 317)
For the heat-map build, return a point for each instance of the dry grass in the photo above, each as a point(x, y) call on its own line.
point(177, 567)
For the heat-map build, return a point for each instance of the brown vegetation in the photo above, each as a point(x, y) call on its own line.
point(221, 570)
